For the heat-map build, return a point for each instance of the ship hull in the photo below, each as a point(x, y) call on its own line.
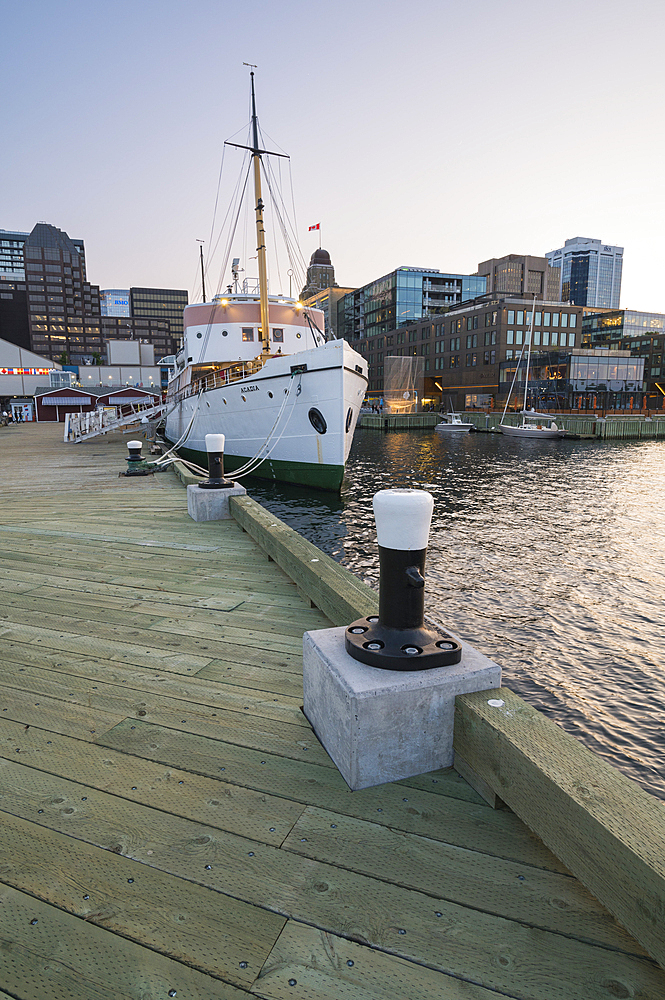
point(300, 411)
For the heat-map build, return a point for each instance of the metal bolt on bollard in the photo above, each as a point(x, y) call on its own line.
point(215, 449)
point(397, 638)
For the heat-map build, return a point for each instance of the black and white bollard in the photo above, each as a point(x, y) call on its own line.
point(397, 638)
point(215, 450)
point(136, 465)
point(380, 693)
point(209, 499)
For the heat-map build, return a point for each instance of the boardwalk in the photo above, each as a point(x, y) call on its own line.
point(169, 824)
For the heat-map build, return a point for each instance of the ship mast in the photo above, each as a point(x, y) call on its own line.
point(260, 229)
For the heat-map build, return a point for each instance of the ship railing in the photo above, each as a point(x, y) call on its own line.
point(219, 378)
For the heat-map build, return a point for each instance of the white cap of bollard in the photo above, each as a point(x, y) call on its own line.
point(214, 442)
point(135, 444)
point(403, 518)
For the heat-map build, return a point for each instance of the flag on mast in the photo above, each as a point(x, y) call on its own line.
point(317, 226)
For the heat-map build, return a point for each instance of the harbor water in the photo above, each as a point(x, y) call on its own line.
point(545, 555)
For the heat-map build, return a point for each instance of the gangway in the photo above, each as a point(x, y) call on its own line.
point(83, 426)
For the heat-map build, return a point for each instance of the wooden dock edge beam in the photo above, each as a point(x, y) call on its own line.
point(337, 592)
point(607, 830)
point(185, 475)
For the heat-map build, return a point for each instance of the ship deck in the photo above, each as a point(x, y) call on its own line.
point(170, 825)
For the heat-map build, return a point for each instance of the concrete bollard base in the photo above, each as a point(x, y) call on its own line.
point(383, 725)
point(211, 505)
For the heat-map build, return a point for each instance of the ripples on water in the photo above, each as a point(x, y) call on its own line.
point(547, 556)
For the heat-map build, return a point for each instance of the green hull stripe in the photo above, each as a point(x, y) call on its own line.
point(319, 477)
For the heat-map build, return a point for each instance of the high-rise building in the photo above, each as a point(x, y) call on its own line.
point(114, 302)
point(589, 272)
point(160, 303)
point(404, 296)
point(63, 308)
point(11, 255)
point(517, 274)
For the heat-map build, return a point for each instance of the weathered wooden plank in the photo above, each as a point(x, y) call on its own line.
point(450, 820)
point(214, 933)
point(233, 808)
point(339, 594)
point(285, 621)
point(540, 898)
point(244, 728)
point(126, 652)
point(499, 954)
point(310, 963)
point(603, 826)
point(82, 674)
point(54, 714)
point(181, 591)
point(50, 955)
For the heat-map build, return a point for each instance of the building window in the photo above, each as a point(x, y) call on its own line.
point(486, 358)
point(492, 357)
point(564, 319)
point(555, 337)
point(509, 355)
point(546, 319)
point(520, 317)
point(488, 316)
point(510, 336)
point(536, 337)
point(278, 335)
point(247, 333)
point(555, 319)
point(539, 319)
point(454, 361)
point(572, 320)
point(511, 316)
point(519, 336)
point(494, 335)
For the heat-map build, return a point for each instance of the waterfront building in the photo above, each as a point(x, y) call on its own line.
point(517, 274)
point(327, 299)
point(589, 272)
point(406, 295)
point(161, 303)
point(114, 302)
point(640, 333)
point(463, 349)
point(320, 274)
point(582, 379)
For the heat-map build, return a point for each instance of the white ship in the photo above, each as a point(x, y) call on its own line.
point(257, 368)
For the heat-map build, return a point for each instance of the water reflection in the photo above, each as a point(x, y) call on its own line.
point(545, 555)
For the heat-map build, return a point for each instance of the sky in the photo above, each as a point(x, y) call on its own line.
point(434, 135)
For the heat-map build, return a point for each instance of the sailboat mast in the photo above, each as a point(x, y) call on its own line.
point(528, 353)
point(260, 230)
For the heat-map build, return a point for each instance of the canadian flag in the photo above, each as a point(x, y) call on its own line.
point(317, 226)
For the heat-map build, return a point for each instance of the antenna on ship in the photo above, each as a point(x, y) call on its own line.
point(203, 273)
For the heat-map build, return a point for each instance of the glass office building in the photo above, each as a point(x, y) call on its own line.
point(161, 303)
point(404, 296)
point(580, 379)
point(589, 272)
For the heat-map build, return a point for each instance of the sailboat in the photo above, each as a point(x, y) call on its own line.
point(533, 424)
point(257, 368)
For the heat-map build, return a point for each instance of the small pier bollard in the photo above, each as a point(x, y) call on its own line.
point(136, 464)
point(397, 639)
point(380, 693)
point(215, 450)
point(213, 503)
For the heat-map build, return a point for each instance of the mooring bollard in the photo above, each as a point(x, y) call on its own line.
point(215, 450)
point(136, 465)
point(397, 638)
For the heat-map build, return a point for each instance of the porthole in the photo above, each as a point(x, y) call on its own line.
point(349, 418)
point(199, 335)
point(225, 333)
point(270, 395)
point(224, 401)
point(244, 398)
point(299, 335)
point(317, 420)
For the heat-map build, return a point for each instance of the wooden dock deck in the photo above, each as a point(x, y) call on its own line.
point(169, 824)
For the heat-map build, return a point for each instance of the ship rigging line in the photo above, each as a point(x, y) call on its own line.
point(269, 443)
